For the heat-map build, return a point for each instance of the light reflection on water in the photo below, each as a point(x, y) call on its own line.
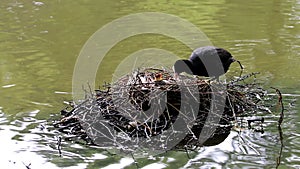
point(27, 141)
point(40, 43)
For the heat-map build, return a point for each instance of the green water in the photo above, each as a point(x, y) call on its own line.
point(39, 45)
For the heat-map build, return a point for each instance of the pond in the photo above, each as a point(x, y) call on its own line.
point(41, 42)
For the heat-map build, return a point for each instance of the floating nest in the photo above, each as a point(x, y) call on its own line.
point(150, 110)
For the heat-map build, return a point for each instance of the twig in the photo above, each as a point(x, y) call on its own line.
point(59, 145)
point(242, 78)
point(278, 160)
point(27, 166)
point(135, 162)
point(187, 152)
point(241, 66)
point(282, 107)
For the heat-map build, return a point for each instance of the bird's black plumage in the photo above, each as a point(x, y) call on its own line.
point(206, 61)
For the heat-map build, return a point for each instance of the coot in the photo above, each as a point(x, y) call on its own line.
point(208, 61)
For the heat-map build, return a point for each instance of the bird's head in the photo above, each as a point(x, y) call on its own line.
point(226, 58)
point(230, 60)
point(182, 66)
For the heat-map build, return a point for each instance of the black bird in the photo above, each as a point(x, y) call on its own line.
point(208, 61)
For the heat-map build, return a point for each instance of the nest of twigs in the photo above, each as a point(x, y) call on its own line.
point(152, 109)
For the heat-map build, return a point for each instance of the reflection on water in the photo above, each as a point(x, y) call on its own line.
point(40, 42)
point(27, 141)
